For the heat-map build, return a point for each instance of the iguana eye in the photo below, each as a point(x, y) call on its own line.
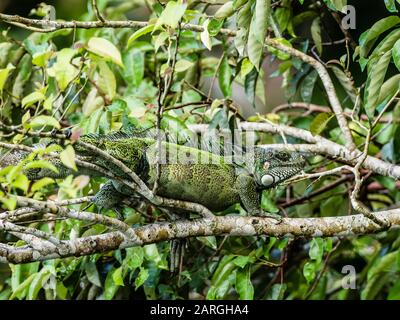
point(266, 165)
point(283, 156)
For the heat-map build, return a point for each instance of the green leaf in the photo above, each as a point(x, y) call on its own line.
point(309, 271)
point(241, 261)
point(134, 257)
point(258, 31)
point(37, 283)
point(43, 121)
point(389, 89)
point(21, 182)
point(316, 34)
point(40, 59)
point(41, 183)
point(107, 82)
point(374, 83)
point(9, 203)
point(62, 69)
point(22, 289)
point(339, 4)
point(214, 26)
point(134, 67)
point(245, 67)
point(368, 38)
point(307, 87)
point(386, 44)
point(209, 241)
point(316, 249)
point(224, 77)
point(379, 274)
point(4, 74)
point(24, 72)
point(141, 32)
point(141, 278)
point(92, 273)
point(110, 288)
point(105, 49)
point(396, 54)
point(346, 83)
point(172, 14)
point(268, 203)
point(225, 11)
point(243, 21)
point(238, 3)
point(244, 287)
point(280, 54)
point(205, 36)
point(277, 291)
point(224, 269)
point(32, 98)
point(320, 122)
point(117, 277)
point(250, 85)
point(61, 290)
point(67, 157)
point(151, 253)
point(182, 65)
point(391, 5)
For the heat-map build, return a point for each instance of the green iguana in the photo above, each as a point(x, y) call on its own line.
point(186, 173)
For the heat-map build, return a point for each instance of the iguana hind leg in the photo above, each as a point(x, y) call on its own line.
point(251, 198)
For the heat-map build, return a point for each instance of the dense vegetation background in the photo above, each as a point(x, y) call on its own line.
point(110, 78)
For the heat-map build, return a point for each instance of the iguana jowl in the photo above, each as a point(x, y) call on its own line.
point(203, 177)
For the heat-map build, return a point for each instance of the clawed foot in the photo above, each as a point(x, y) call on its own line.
point(264, 214)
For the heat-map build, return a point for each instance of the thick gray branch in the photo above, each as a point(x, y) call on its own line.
point(232, 225)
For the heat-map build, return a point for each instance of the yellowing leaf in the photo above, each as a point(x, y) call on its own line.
point(182, 65)
point(32, 98)
point(40, 59)
point(9, 203)
point(320, 122)
point(92, 103)
point(4, 74)
point(21, 182)
point(67, 157)
point(245, 67)
point(107, 82)
point(205, 36)
point(172, 13)
point(224, 11)
point(62, 69)
point(105, 49)
point(117, 277)
point(42, 121)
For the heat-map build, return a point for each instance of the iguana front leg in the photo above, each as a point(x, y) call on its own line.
point(109, 198)
point(251, 198)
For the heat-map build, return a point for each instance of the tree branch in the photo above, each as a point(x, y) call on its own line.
point(231, 225)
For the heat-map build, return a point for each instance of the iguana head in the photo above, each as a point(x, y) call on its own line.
point(271, 167)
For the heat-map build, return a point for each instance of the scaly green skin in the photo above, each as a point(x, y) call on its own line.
point(216, 185)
